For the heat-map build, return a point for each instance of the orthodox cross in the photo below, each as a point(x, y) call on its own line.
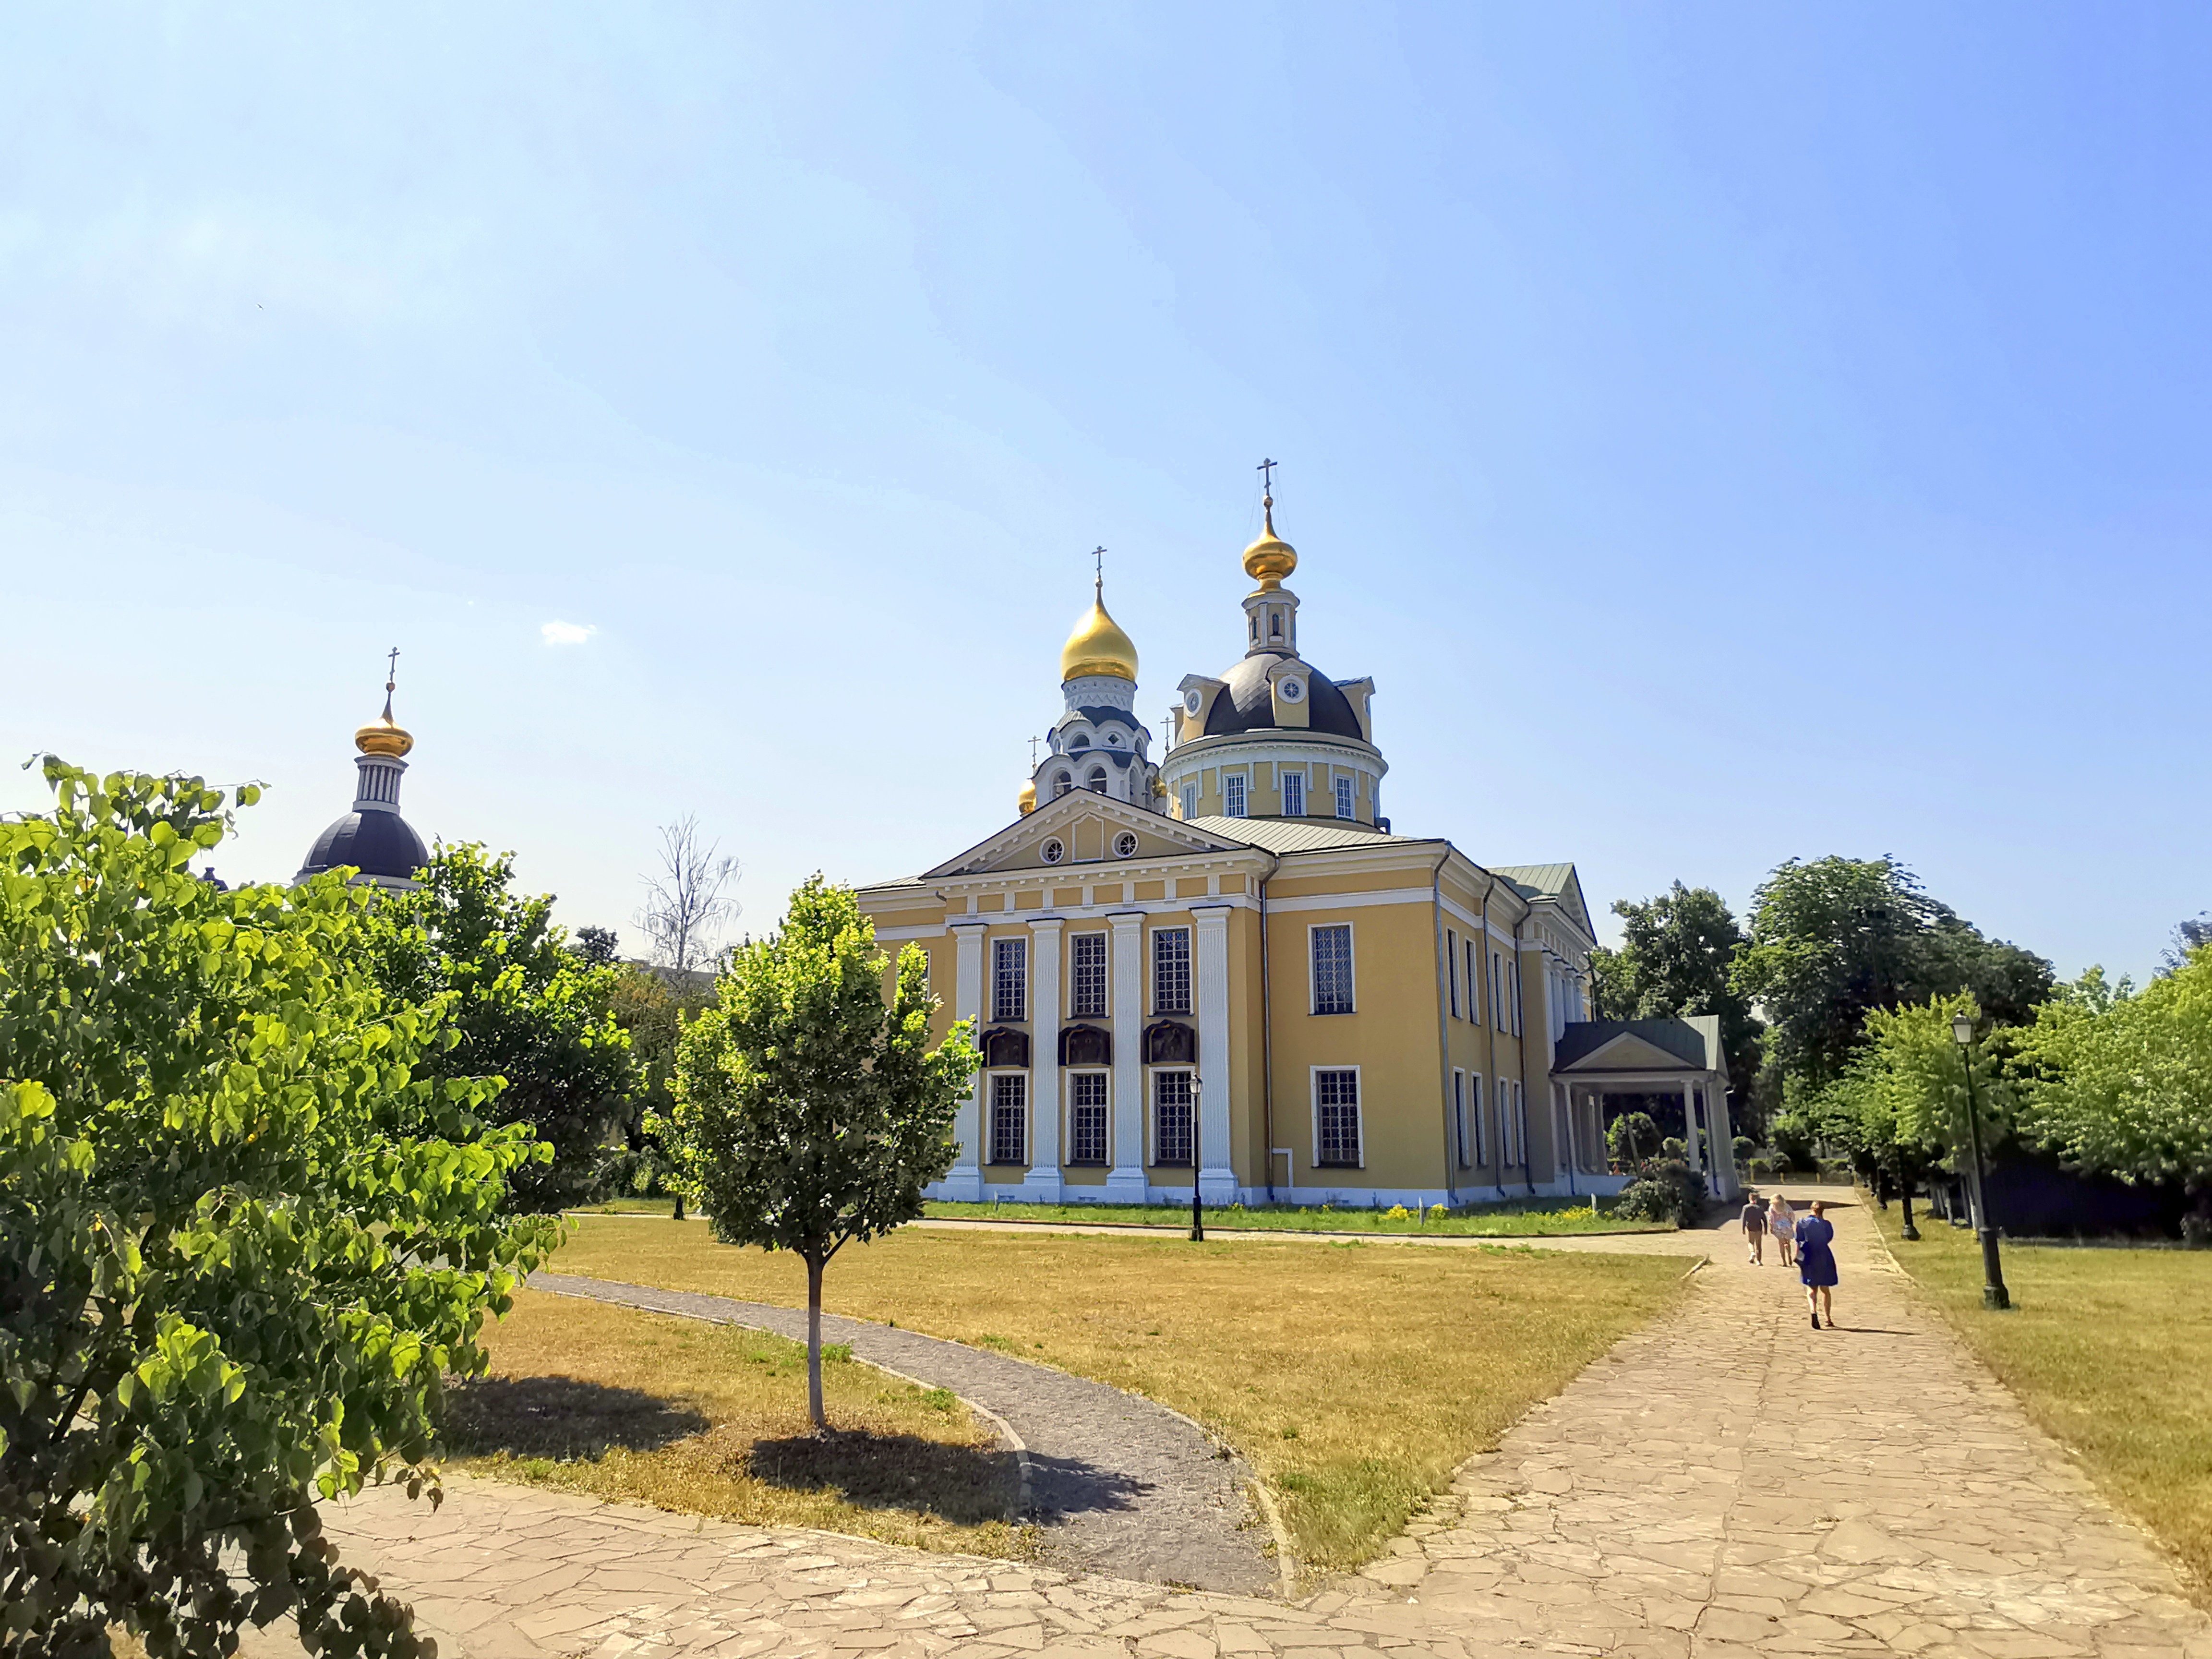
point(391, 670)
point(1098, 571)
point(1266, 472)
point(1033, 744)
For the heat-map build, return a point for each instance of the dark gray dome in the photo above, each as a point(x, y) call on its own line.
point(1245, 703)
point(376, 843)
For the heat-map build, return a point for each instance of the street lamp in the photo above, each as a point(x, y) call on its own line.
point(1197, 1221)
point(1994, 1294)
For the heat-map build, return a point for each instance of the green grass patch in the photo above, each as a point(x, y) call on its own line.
point(1534, 1218)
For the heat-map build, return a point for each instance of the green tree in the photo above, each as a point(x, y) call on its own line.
point(526, 1008)
point(243, 1236)
point(1632, 1138)
point(809, 1110)
point(1835, 939)
point(1677, 957)
point(2120, 1082)
point(652, 1007)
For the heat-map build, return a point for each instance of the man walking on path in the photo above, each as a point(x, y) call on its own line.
point(1754, 1230)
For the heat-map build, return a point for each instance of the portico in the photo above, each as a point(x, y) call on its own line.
point(1599, 1057)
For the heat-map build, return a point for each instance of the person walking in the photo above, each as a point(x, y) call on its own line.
point(1816, 1263)
point(1754, 1230)
point(1781, 1222)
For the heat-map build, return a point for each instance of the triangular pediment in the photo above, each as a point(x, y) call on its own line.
point(1630, 1053)
point(1088, 828)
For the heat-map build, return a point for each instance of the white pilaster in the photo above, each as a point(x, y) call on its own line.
point(965, 1181)
point(1690, 1126)
point(1043, 1181)
point(1125, 1181)
point(1217, 1180)
point(1723, 1133)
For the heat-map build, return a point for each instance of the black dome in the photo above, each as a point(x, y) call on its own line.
point(376, 843)
point(1247, 705)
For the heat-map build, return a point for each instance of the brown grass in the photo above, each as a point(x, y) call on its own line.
point(1354, 1377)
point(712, 1421)
point(2110, 1351)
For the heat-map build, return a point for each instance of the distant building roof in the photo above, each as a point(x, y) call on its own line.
point(1298, 835)
point(1694, 1039)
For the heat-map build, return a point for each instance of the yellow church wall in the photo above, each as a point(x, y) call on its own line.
point(1152, 891)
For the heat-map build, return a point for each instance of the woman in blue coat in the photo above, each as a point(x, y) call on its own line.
point(1816, 1262)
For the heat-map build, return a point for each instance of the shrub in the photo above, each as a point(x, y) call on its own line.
point(1665, 1189)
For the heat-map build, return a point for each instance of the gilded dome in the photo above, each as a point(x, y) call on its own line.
point(1098, 646)
point(1269, 559)
point(383, 735)
point(1027, 799)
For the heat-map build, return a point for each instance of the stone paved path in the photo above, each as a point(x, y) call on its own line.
point(1121, 1486)
point(1726, 1482)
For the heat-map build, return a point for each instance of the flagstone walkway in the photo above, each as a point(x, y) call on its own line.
point(1726, 1482)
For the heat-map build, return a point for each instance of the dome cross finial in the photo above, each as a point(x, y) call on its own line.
point(1098, 574)
point(390, 681)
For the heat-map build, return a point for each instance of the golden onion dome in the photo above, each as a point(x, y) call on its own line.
point(1098, 646)
point(1027, 799)
point(1269, 559)
point(384, 735)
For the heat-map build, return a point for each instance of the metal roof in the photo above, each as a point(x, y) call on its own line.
point(1300, 835)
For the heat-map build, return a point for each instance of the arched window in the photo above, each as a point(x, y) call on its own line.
point(1097, 780)
point(1062, 783)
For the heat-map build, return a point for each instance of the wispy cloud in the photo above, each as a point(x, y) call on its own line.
point(561, 633)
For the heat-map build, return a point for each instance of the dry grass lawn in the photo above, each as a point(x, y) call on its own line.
point(1354, 1377)
point(2111, 1352)
point(712, 1421)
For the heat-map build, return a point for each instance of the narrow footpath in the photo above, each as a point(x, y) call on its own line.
point(1728, 1484)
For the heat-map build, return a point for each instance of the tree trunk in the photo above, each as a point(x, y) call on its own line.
point(814, 1346)
point(679, 1205)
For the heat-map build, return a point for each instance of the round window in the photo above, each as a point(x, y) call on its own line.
point(1055, 850)
point(1191, 701)
point(1292, 690)
point(1125, 845)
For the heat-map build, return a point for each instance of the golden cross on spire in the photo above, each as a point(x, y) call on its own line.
point(1033, 742)
point(390, 680)
point(1098, 574)
point(1266, 472)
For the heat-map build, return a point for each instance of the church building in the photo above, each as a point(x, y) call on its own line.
point(380, 847)
point(1226, 965)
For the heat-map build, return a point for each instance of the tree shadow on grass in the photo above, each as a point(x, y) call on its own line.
point(560, 1417)
point(966, 1484)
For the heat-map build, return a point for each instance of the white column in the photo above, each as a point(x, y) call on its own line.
point(1043, 1179)
point(1217, 1180)
point(1690, 1125)
point(965, 1181)
point(1723, 1133)
point(1125, 1181)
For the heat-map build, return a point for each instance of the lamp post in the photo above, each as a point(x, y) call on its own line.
point(1994, 1294)
point(1197, 1220)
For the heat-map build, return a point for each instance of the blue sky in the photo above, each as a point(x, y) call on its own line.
point(1726, 433)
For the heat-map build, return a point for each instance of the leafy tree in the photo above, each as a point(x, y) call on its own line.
point(1677, 957)
point(2189, 936)
point(810, 1111)
point(1835, 939)
point(2120, 1082)
point(597, 947)
point(526, 1008)
point(651, 1006)
point(243, 1236)
point(1632, 1138)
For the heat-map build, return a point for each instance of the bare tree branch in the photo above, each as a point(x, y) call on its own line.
point(685, 904)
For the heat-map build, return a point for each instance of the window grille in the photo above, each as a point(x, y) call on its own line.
point(1086, 1117)
point(1009, 1118)
point(1336, 1102)
point(1087, 975)
point(1062, 783)
point(1331, 970)
point(1171, 971)
point(1294, 795)
point(1232, 794)
point(1344, 798)
point(1171, 1118)
point(1009, 979)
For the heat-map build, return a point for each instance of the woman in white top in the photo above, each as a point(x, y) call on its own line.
point(1784, 1225)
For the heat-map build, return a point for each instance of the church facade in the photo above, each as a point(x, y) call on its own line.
point(1224, 965)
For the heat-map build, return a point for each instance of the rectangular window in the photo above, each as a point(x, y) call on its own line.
point(1171, 1118)
point(1189, 802)
point(1171, 971)
point(1086, 977)
point(1459, 1117)
point(1466, 956)
point(1498, 990)
point(1336, 1120)
point(1513, 1004)
point(1009, 979)
point(1232, 794)
point(1331, 970)
point(1294, 794)
point(1086, 1117)
point(1451, 968)
point(1344, 798)
point(1474, 1115)
point(1010, 1117)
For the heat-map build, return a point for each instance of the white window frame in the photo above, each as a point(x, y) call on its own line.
point(1153, 1074)
point(1105, 973)
point(1294, 781)
point(998, 944)
point(1105, 1076)
point(1189, 801)
point(991, 1119)
point(1451, 968)
point(1497, 989)
point(1351, 962)
point(1190, 971)
point(1358, 1112)
point(1347, 795)
point(1241, 807)
point(1475, 1104)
